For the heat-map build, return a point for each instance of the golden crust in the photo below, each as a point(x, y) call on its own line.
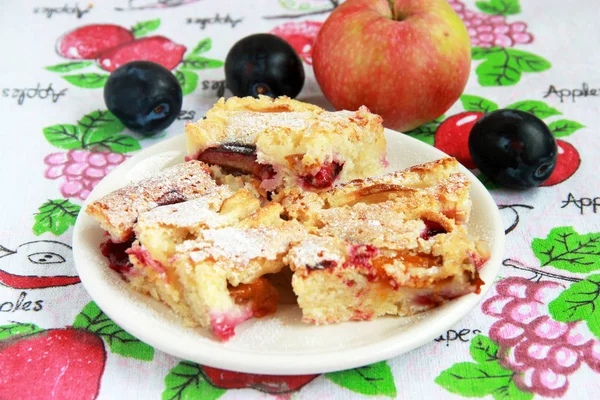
point(118, 211)
point(297, 139)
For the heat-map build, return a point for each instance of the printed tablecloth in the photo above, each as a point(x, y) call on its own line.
point(536, 333)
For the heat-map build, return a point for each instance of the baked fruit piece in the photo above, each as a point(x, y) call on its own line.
point(212, 259)
point(392, 245)
point(118, 211)
point(285, 143)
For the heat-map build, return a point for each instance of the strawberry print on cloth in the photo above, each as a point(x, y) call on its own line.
point(107, 47)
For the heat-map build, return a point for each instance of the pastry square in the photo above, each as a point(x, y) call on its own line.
point(286, 143)
point(377, 247)
point(118, 211)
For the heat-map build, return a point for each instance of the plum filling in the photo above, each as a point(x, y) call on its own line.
point(172, 197)
point(116, 253)
point(260, 294)
point(223, 324)
point(145, 258)
point(237, 158)
point(431, 229)
point(325, 264)
point(324, 177)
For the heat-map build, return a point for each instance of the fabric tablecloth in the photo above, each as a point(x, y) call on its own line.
point(535, 334)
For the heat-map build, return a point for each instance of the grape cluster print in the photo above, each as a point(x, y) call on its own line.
point(488, 30)
point(542, 351)
point(81, 170)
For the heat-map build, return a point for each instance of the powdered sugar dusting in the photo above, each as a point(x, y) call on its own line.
point(313, 250)
point(191, 213)
point(244, 126)
point(240, 245)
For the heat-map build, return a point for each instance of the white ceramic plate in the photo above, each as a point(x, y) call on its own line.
point(279, 344)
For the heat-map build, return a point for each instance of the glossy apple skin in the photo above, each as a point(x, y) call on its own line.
point(409, 71)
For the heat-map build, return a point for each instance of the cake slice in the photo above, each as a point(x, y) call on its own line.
point(118, 211)
point(226, 272)
point(285, 143)
point(380, 248)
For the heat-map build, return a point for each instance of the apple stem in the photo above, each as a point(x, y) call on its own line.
point(392, 4)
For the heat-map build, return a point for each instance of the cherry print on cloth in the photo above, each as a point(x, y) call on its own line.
point(451, 134)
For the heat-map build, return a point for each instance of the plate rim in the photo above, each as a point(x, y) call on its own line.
point(217, 356)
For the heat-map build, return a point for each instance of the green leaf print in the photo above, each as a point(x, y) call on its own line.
point(188, 81)
point(63, 136)
point(201, 63)
point(568, 250)
point(55, 216)
point(374, 379)
point(426, 132)
point(186, 382)
point(580, 302)
point(70, 66)
point(564, 127)
point(120, 342)
point(504, 66)
point(499, 7)
point(483, 378)
point(18, 328)
point(202, 47)
point(87, 81)
point(145, 27)
point(535, 107)
point(477, 104)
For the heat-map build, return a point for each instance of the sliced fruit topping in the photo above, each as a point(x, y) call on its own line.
point(118, 259)
point(260, 294)
point(237, 157)
point(325, 177)
point(432, 228)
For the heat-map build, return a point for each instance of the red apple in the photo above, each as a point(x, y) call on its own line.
point(58, 363)
point(408, 63)
point(566, 164)
point(452, 136)
point(265, 383)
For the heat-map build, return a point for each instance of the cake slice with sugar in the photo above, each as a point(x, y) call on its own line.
point(378, 247)
point(283, 142)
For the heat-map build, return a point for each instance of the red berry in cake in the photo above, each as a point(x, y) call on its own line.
point(58, 363)
point(157, 49)
point(81, 169)
point(300, 35)
point(324, 177)
point(86, 42)
point(265, 383)
point(566, 164)
point(452, 136)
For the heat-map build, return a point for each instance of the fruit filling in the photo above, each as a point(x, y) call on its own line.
point(260, 294)
point(324, 177)
point(118, 259)
point(237, 157)
point(432, 228)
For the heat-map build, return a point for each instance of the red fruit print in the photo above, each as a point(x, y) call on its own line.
point(58, 363)
point(491, 30)
point(300, 35)
point(567, 163)
point(265, 383)
point(87, 42)
point(452, 136)
point(158, 49)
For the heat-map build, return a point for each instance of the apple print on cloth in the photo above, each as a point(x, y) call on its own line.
point(110, 46)
point(546, 326)
point(64, 363)
point(37, 265)
point(451, 134)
